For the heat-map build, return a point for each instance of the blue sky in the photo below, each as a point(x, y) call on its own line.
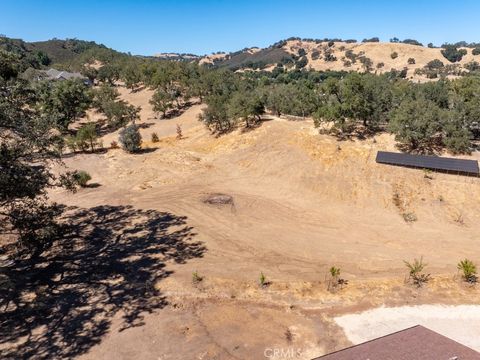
point(148, 27)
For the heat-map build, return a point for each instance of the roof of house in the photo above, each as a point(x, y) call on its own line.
point(414, 343)
point(56, 74)
point(429, 162)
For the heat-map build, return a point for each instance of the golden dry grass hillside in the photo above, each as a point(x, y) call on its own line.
point(380, 54)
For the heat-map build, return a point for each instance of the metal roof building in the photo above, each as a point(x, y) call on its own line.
point(54, 74)
point(415, 343)
point(436, 163)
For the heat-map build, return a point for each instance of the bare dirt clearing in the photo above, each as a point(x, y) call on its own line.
point(303, 202)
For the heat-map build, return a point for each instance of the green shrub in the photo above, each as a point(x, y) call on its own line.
point(130, 139)
point(262, 280)
point(349, 54)
point(434, 65)
point(411, 61)
point(476, 51)
point(469, 270)
point(155, 138)
point(196, 278)
point(394, 55)
point(120, 113)
point(302, 62)
point(472, 66)
point(416, 272)
point(335, 280)
point(328, 55)
point(452, 54)
point(81, 178)
point(71, 143)
point(334, 272)
point(366, 62)
point(315, 55)
point(87, 137)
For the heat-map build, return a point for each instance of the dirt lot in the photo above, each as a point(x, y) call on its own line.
point(300, 203)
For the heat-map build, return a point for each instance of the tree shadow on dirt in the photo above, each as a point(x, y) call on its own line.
point(107, 264)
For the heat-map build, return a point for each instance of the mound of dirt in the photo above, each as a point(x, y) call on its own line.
point(218, 199)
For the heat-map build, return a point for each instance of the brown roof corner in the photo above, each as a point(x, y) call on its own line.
point(415, 343)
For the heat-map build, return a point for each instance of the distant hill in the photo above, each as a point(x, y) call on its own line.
point(409, 57)
point(177, 57)
point(56, 51)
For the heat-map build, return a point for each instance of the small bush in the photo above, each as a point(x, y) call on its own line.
point(334, 272)
point(179, 132)
point(113, 145)
point(81, 178)
point(289, 335)
point(196, 278)
point(380, 65)
point(472, 66)
point(409, 217)
point(427, 174)
point(302, 62)
point(155, 138)
point(434, 64)
point(349, 54)
point(394, 55)
point(411, 61)
point(476, 51)
point(130, 139)
point(87, 137)
point(469, 271)
point(335, 279)
point(415, 272)
point(366, 62)
point(458, 218)
point(328, 56)
point(71, 143)
point(262, 280)
point(84, 139)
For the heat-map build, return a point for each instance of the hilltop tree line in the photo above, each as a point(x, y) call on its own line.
point(423, 117)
